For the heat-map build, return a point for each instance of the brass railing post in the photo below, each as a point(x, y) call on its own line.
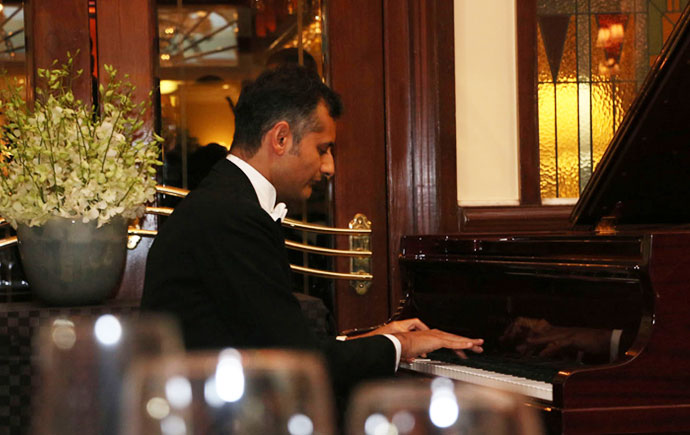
point(362, 264)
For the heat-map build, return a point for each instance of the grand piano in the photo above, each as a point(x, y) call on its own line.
point(624, 269)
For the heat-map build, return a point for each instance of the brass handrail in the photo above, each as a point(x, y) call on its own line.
point(287, 222)
point(322, 229)
point(355, 255)
point(133, 231)
point(328, 274)
point(172, 191)
point(8, 241)
point(325, 251)
point(160, 211)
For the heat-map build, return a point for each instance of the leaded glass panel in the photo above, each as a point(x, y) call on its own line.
point(592, 57)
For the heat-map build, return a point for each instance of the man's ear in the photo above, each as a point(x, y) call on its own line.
point(280, 137)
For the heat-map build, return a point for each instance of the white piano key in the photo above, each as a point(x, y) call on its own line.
point(499, 381)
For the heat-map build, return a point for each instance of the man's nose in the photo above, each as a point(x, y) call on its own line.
point(327, 165)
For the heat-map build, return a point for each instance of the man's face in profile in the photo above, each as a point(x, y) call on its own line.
point(307, 162)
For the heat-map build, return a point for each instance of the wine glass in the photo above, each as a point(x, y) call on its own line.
point(230, 392)
point(438, 406)
point(81, 365)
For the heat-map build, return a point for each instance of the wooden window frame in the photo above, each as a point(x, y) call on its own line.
point(530, 215)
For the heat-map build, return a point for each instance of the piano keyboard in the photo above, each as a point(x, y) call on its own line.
point(499, 381)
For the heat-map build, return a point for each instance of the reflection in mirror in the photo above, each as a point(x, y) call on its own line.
point(12, 49)
point(13, 285)
point(207, 51)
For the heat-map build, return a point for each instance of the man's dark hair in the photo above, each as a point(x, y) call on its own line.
point(288, 93)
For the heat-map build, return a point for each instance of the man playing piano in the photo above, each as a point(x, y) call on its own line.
point(219, 264)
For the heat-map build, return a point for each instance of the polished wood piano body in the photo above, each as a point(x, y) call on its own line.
point(625, 266)
point(638, 283)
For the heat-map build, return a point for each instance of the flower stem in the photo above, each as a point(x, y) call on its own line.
point(126, 193)
point(105, 154)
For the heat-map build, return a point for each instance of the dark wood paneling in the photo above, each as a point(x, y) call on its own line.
point(420, 116)
point(128, 39)
point(399, 133)
point(53, 29)
point(628, 420)
point(431, 57)
point(134, 53)
point(527, 101)
point(356, 71)
point(447, 185)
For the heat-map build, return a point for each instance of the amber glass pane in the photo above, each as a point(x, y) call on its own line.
point(584, 132)
point(567, 140)
point(547, 140)
point(623, 97)
point(602, 119)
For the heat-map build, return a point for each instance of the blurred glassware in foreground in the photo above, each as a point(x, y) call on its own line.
point(230, 392)
point(438, 406)
point(82, 362)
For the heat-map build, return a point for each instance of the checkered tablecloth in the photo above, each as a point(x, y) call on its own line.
point(18, 324)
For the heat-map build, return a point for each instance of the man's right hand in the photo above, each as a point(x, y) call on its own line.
point(419, 343)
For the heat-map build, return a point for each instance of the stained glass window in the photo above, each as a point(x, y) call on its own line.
point(592, 57)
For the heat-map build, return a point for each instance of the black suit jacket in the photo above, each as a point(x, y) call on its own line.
point(219, 265)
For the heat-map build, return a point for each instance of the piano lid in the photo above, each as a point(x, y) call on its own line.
point(644, 176)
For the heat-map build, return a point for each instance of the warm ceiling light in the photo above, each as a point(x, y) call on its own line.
point(168, 86)
point(169, 30)
point(165, 57)
point(226, 86)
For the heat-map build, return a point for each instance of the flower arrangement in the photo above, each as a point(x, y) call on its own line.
point(63, 158)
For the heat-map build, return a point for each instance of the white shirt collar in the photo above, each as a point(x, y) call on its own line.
point(263, 188)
